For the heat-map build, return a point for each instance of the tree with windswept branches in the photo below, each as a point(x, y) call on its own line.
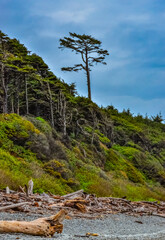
point(90, 50)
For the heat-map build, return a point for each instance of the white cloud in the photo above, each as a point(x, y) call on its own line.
point(70, 16)
point(49, 33)
point(137, 18)
point(72, 12)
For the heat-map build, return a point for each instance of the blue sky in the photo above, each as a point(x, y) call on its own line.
point(132, 31)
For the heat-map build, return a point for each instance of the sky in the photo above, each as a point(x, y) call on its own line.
point(132, 31)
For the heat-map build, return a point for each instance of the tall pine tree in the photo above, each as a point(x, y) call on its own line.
point(90, 50)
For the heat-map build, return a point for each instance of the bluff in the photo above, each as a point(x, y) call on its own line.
point(66, 142)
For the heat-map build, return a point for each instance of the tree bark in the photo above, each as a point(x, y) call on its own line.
point(62, 111)
point(88, 75)
point(30, 187)
point(64, 117)
point(26, 95)
point(39, 227)
point(18, 104)
point(4, 87)
point(12, 104)
point(78, 193)
point(17, 95)
point(51, 105)
point(13, 206)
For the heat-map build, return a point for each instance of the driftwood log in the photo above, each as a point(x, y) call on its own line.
point(39, 227)
point(13, 206)
point(77, 203)
point(30, 187)
point(76, 194)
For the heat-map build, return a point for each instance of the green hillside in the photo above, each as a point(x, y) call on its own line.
point(66, 142)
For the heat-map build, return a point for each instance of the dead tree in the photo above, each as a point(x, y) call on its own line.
point(65, 118)
point(51, 104)
point(4, 88)
point(30, 187)
point(26, 94)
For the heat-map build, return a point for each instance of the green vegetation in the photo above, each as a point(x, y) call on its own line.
point(66, 142)
point(17, 161)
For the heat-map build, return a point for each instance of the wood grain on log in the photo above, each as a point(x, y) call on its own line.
point(39, 227)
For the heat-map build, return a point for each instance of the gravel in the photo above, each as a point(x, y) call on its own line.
point(119, 226)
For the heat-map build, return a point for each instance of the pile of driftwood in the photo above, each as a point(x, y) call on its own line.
point(77, 204)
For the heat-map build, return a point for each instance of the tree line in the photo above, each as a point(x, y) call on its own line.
point(27, 86)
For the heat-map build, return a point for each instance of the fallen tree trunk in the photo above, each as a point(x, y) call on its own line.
point(39, 227)
point(13, 206)
point(78, 193)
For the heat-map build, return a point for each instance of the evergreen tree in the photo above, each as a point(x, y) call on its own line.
point(158, 118)
point(90, 50)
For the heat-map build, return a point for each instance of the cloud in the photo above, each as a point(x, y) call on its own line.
point(137, 18)
point(70, 16)
point(65, 13)
point(48, 33)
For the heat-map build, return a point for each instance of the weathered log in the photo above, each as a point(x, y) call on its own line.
point(69, 203)
point(40, 227)
point(81, 207)
point(22, 190)
point(78, 193)
point(30, 187)
point(13, 206)
point(7, 190)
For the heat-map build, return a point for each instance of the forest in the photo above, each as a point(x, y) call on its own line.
point(66, 142)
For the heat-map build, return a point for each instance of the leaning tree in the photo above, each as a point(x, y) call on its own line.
point(90, 50)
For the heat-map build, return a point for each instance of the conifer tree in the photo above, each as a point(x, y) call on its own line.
point(90, 50)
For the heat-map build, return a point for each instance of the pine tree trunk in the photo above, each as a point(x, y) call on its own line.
point(5, 93)
point(88, 76)
point(64, 118)
point(18, 106)
point(51, 105)
point(12, 104)
point(62, 111)
point(17, 103)
point(17, 96)
point(26, 96)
